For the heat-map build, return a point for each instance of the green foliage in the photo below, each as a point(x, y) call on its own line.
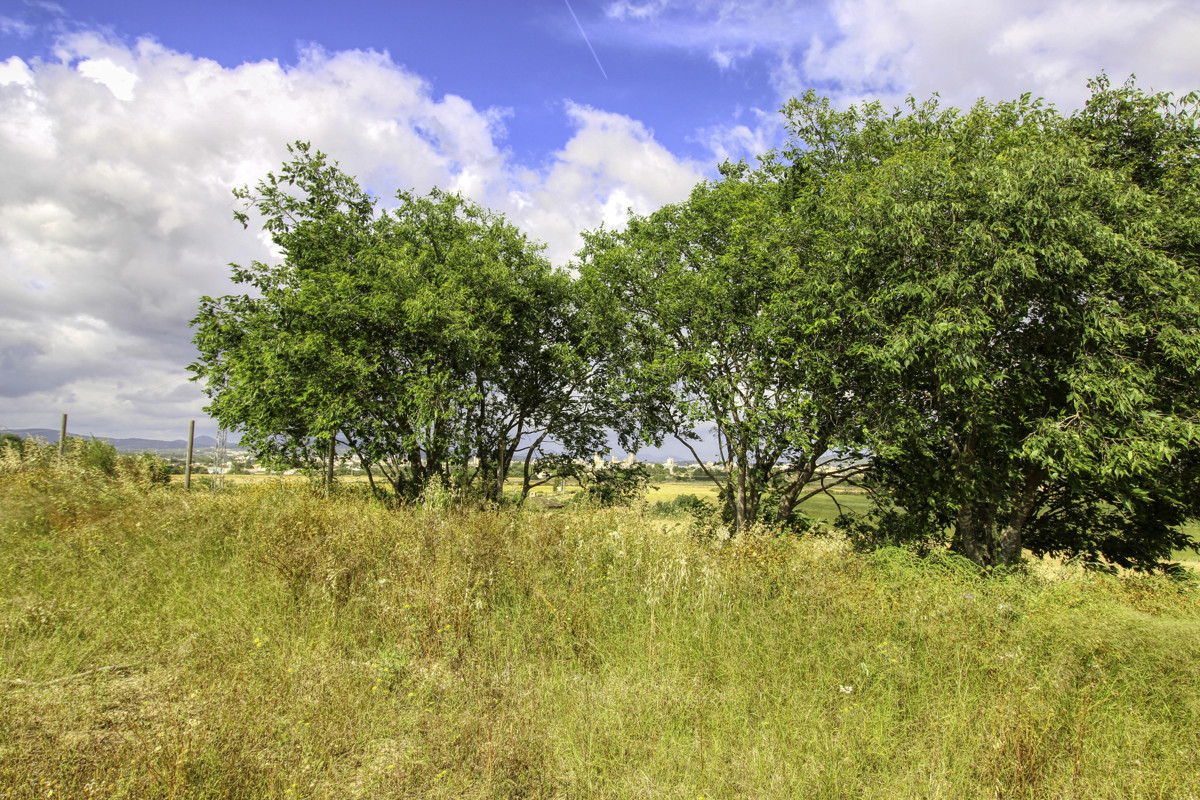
point(995, 309)
point(420, 337)
point(711, 303)
point(1022, 293)
point(680, 505)
point(87, 459)
point(99, 455)
point(613, 485)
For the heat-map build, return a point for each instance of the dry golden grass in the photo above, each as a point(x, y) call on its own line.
point(278, 643)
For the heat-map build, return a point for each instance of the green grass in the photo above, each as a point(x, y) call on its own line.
point(276, 643)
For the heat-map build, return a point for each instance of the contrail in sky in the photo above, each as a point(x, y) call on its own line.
point(586, 40)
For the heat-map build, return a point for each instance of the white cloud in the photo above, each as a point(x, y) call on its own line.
point(119, 80)
point(727, 32)
point(15, 27)
point(625, 9)
point(612, 164)
point(857, 50)
point(116, 212)
point(885, 49)
point(1001, 48)
point(744, 140)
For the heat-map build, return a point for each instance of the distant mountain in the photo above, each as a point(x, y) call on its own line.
point(123, 445)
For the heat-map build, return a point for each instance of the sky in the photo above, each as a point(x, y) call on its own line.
point(125, 125)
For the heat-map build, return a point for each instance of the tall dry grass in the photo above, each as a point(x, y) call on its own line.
point(272, 641)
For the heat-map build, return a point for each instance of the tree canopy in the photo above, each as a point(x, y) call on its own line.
point(993, 312)
point(433, 340)
point(1026, 302)
point(709, 299)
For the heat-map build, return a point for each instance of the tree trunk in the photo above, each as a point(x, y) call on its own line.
point(743, 505)
point(740, 511)
point(787, 498)
point(974, 532)
point(503, 461)
point(980, 536)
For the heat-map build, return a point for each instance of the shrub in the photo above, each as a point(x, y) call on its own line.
point(682, 505)
point(615, 486)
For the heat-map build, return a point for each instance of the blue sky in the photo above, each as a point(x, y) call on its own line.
point(124, 126)
point(524, 57)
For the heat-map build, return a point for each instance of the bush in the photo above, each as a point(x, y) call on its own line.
point(682, 505)
point(615, 486)
point(87, 458)
point(10, 440)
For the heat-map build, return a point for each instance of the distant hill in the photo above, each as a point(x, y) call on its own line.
point(123, 445)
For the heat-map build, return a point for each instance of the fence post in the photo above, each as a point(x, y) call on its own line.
point(62, 439)
point(187, 469)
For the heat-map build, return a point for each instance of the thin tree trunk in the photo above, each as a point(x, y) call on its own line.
point(787, 499)
point(525, 473)
point(741, 507)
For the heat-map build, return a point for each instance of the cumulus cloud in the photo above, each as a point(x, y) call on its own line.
point(611, 165)
point(116, 212)
point(1000, 48)
point(751, 133)
point(855, 50)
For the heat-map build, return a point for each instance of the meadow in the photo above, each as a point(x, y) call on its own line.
point(274, 641)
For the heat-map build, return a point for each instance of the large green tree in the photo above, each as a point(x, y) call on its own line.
point(709, 301)
point(433, 340)
point(1022, 291)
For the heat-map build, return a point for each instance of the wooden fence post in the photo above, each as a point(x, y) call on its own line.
point(187, 469)
point(62, 439)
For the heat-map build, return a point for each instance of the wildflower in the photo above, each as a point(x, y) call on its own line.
point(845, 689)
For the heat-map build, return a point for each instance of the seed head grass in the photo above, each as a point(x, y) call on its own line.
point(274, 641)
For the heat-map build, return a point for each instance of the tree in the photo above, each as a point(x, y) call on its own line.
point(1023, 292)
point(709, 301)
point(433, 340)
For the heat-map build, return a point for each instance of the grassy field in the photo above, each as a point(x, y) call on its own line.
point(821, 507)
point(271, 642)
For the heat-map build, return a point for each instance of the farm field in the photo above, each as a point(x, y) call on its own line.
point(270, 642)
point(820, 507)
